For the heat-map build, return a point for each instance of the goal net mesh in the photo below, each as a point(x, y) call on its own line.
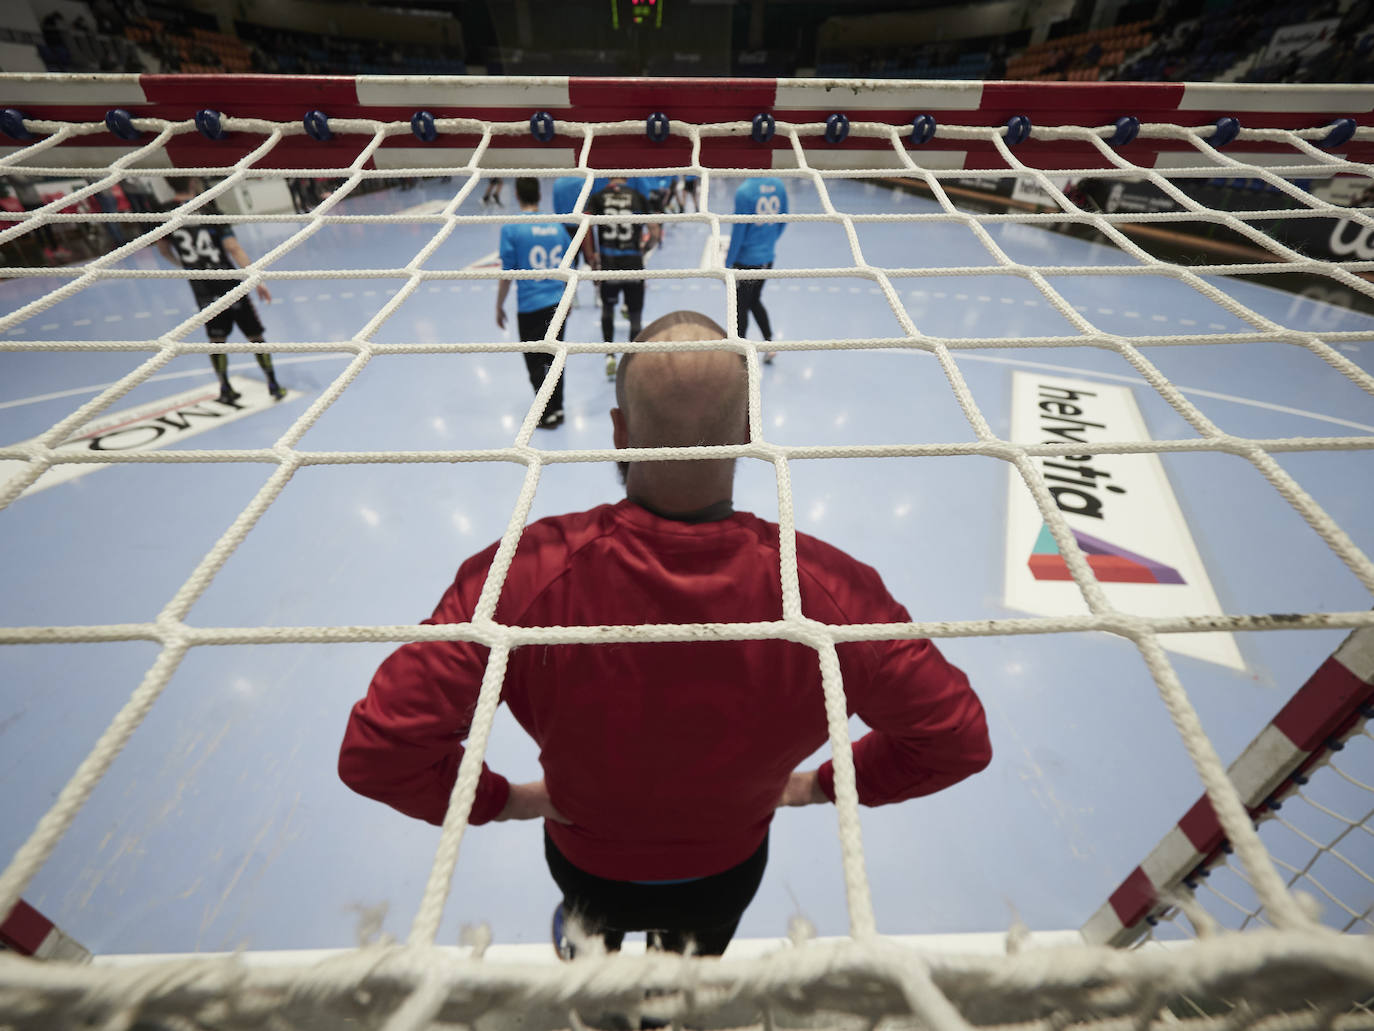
point(1259, 955)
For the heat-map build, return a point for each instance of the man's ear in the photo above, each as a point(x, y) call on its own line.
point(620, 433)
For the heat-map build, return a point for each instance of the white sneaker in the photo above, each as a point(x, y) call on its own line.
point(610, 366)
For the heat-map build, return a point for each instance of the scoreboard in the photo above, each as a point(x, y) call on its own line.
point(642, 13)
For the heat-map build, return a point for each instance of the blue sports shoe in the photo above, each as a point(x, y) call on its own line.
point(562, 944)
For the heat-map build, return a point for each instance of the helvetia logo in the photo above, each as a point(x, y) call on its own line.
point(1108, 562)
point(1119, 505)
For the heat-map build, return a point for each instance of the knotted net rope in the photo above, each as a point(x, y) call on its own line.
point(1293, 974)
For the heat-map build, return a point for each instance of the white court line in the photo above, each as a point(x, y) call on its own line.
point(162, 377)
point(1136, 380)
point(1046, 366)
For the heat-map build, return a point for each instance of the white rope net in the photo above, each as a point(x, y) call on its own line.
point(1292, 972)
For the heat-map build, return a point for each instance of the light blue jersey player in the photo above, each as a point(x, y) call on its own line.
point(566, 190)
point(533, 246)
point(753, 246)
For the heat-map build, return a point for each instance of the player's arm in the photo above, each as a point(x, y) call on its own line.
point(653, 231)
point(928, 727)
point(502, 292)
point(235, 250)
point(403, 744)
point(591, 243)
point(166, 249)
point(508, 262)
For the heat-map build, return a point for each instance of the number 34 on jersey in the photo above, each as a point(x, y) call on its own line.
point(199, 248)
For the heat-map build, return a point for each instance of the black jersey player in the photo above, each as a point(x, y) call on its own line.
point(203, 247)
point(620, 246)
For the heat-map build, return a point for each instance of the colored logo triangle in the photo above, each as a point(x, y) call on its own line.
point(1110, 563)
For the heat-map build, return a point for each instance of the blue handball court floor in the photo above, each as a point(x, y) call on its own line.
point(223, 823)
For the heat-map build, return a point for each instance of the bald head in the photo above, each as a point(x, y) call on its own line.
point(682, 398)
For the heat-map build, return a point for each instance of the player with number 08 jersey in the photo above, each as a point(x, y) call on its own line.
point(201, 248)
point(753, 246)
point(533, 246)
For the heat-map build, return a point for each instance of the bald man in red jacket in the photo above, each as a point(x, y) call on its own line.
point(664, 762)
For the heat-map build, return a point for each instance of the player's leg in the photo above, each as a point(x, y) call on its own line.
point(702, 915)
point(584, 896)
point(744, 301)
point(757, 309)
point(610, 293)
point(556, 400)
point(220, 363)
point(246, 316)
point(760, 314)
point(265, 364)
point(748, 301)
point(217, 329)
point(634, 302)
point(534, 325)
point(553, 413)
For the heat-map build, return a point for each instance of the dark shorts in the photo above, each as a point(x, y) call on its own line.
point(706, 910)
point(534, 325)
point(634, 288)
point(241, 313)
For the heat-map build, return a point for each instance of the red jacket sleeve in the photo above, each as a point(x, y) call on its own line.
point(403, 742)
point(928, 730)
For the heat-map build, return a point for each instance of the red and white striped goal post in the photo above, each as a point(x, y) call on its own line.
point(1328, 708)
point(841, 123)
point(28, 932)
